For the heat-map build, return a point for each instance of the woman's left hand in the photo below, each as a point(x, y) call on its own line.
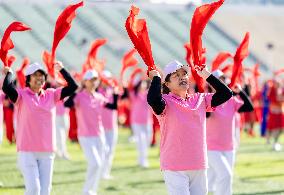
point(58, 65)
point(237, 88)
point(202, 71)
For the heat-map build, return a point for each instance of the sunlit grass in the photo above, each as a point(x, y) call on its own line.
point(258, 170)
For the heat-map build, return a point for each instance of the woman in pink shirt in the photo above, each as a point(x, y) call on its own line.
point(220, 132)
point(140, 118)
point(109, 120)
point(89, 105)
point(182, 118)
point(35, 133)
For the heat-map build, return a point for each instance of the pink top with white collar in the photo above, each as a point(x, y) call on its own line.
point(89, 113)
point(183, 138)
point(109, 117)
point(221, 125)
point(140, 112)
point(36, 120)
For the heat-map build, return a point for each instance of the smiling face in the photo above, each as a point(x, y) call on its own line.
point(37, 80)
point(178, 82)
point(92, 84)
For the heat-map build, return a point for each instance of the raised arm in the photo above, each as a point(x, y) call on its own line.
point(154, 97)
point(8, 87)
point(247, 106)
point(71, 84)
point(223, 92)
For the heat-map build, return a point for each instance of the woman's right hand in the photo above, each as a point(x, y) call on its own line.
point(7, 69)
point(153, 73)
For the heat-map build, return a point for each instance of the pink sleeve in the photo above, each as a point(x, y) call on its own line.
point(208, 99)
point(238, 103)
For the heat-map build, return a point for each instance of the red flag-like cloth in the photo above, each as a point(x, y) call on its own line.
point(199, 81)
point(128, 60)
point(199, 21)
point(220, 58)
point(63, 25)
point(20, 73)
point(92, 62)
point(227, 68)
point(241, 53)
point(132, 76)
point(11, 60)
point(7, 43)
point(48, 61)
point(138, 33)
point(94, 48)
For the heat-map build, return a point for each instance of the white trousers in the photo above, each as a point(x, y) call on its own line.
point(220, 172)
point(93, 148)
point(61, 135)
point(143, 134)
point(111, 140)
point(37, 170)
point(186, 182)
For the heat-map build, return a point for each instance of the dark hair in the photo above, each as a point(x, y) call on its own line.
point(165, 89)
point(28, 78)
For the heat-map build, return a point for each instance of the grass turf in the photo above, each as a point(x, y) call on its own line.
point(258, 170)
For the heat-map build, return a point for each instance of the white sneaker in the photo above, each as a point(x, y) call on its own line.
point(277, 147)
point(108, 177)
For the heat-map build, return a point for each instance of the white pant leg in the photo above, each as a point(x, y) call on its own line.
point(27, 164)
point(45, 167)
point(149, 133)
point(111, 140)
point(93, 149)
point(237, 137)
point(141, 132)
point(61, 134)
point(177, 182)
point(211, 177)
point(197, 182)
point(218, 161)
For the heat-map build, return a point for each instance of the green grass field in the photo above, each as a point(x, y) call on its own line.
point(258, 170)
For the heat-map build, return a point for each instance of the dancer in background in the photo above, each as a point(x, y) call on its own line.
point(140, 118)
point(220, 133)
point(275, 122)
point(89, 104)
point(109, 120)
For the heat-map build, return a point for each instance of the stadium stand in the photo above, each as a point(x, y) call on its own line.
point(168, 30)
